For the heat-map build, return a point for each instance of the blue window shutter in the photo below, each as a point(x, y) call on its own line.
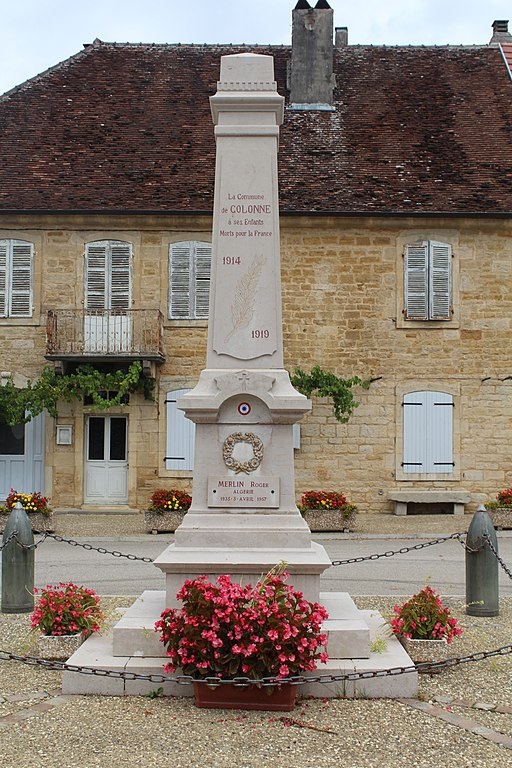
point(440, 433)
point(414, 459)
point(3, 278)
point(428, 433)
point(180, 434)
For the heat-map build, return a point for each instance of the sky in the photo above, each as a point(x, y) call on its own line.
point(38, 34)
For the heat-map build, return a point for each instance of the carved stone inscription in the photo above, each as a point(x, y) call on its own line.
point(261, 492)
point(246, 321)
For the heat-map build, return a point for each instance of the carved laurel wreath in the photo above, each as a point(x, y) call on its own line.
point(242, 466)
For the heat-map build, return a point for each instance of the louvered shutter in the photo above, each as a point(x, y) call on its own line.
point(21, 279)
point(440, 281)
point(3, 278)
point(179, 288)
point(428, 433)
point(120, 272)
point(180, 434)
point(96, 276)
point(203, 258)
point(416, 281)
point(189, 280)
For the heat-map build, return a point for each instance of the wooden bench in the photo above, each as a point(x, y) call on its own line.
point(404, 496)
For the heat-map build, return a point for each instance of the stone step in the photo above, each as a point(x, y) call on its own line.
point(97, 652)
point(347, 631)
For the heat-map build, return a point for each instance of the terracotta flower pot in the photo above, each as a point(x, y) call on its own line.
point(280, 698)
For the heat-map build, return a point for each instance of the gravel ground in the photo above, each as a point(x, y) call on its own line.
point(40, 727)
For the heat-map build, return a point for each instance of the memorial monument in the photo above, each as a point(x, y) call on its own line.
point(244, 519)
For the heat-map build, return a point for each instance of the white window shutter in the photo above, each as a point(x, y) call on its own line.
point(108, 275)
point(120, 275)
point(203, 260)
point(21, 279)
point(440, 281)
point(96, 276)
point(3, 278)
point(416, 281)
point(189, 280)
point(179, 452)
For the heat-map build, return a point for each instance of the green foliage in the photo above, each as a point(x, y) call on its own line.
point(18, 405)
point(327, 384)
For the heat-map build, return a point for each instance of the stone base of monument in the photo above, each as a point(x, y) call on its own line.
point(134, 647)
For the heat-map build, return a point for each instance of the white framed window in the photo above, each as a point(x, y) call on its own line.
point(189, 280)
point(16, 278)
point(180, 434)
point(428, 281)
point(428, 433)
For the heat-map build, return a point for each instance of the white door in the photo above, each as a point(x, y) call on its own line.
point(107, 327)
point(22, 457)
point(106, 465)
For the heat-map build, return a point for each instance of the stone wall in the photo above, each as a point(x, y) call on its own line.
point(342, 310)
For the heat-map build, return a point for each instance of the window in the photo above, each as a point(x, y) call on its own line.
point(108, 275)
point(428, 281)
point(16, 278)
point(189, 280)
point(180, 434)
point(428, 433)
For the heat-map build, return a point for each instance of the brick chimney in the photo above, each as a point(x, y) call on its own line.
point(500, 33)
point(311, 76)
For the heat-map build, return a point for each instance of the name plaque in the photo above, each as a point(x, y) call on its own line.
point(247, 492)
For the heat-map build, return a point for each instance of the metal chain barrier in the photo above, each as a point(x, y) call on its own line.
point(88, 547)
point(496, 555)
point(402, 551)
point(14, 535)
point(427, 666)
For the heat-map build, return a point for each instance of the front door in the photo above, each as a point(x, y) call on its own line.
point(106, 465)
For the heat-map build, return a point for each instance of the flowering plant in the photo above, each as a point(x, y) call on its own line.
point(31, 502)
point(163, 500)
point(67, 609)
point(324, 500)
point(424, 617)
point(504, 498)
point(226, 629)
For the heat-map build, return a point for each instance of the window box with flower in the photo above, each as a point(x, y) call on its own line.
point(65, 614)
point(327, 511)
point(166, 510)
point(424, 626)
point(500, 511)
point(227, 630)
point(40, 514)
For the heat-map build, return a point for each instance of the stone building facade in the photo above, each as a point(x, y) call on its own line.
point(396, 257)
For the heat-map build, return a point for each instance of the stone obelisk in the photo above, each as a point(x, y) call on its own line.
point(243, 518)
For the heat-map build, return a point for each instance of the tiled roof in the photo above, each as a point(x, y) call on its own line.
point(128, 127)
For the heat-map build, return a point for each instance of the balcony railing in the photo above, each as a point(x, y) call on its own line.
point(104, 334)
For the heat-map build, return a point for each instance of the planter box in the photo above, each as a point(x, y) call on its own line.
point(328, 520)
point(162, 522)
point(501, 517)
point(425, 650)
point(59, 646)
point(226, 696)
point(39, 522)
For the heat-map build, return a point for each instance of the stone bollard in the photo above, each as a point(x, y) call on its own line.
point(482, 591)
point(18, 564)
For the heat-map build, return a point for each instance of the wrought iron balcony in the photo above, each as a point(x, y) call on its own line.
point(134, 334)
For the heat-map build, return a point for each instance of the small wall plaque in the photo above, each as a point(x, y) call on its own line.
point(64, 434)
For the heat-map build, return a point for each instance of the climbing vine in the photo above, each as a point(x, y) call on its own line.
point(327, 384)
point(106, 390)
